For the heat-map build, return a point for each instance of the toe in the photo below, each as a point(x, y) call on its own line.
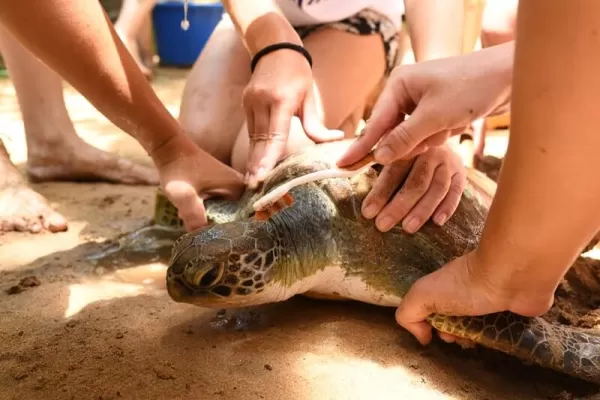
point(18, 224)
point(54, 222)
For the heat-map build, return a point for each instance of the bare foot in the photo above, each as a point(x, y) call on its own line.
point(75, 160)
point(21, 208)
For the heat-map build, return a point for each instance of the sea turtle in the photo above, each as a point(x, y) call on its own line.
point(321, 246)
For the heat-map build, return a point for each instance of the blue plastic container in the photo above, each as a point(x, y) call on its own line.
point(177, 47)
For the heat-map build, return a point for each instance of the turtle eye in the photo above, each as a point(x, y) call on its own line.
point(210, 277)
point(206, 277)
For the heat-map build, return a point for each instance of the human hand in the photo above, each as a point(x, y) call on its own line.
point(433, 187)
point(281, 86)
point(442, 98)
point(468, 286)
point(189, 175)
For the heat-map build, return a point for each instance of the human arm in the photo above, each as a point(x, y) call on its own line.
point(437, 178)
point(435, 27)
point(281, 86)
point(441, 96)
point(79, 43)
point(545, 208)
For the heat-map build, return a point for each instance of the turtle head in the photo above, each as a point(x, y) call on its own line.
point(226, 265)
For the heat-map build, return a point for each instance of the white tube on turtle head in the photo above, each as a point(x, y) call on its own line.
point(274, 195)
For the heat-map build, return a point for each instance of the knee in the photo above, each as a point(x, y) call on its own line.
point(498, 23)
point(205, 135)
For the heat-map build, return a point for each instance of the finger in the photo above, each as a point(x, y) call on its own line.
point(413, 311)
point(189, 205)
point(410, 193)
point(450, 203)
point(386, 184)
point(462, 342)
point(417, 151)
point(267, 144)
point(194, 214)
point(231, 186)
point(313, 125)
point(427, 204)
point(389, 110)
point(438, 139)
point(406, 136)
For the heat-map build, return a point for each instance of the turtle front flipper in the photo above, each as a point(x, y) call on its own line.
point(566, 349)
point(147, 244)
point(153, 242)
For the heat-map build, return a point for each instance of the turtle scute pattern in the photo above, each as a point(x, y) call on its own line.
point(165, 213)
point(227, 261)
point(573, 351)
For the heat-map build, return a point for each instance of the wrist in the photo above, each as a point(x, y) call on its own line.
point(269, 30)
point(171, 148)
point(516, 284)
point(502, 63)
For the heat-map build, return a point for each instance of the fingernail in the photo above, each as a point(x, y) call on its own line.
point(385, 224)
point(411, 225)
point(384, 155)
point(440, 219)
point(370, 211)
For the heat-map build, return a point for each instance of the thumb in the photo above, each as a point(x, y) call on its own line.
point(189, 204)
point(414, 309)
point(404, 138)
point(390, 109)
point(230, 187)
point(313, 125)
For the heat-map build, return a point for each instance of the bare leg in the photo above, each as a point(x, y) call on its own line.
point(347, 68)
point(55, 152)
point(497, 27)
point(499, 22)
point(134, 14)
point(211, 108)
point(144, 40)
point(21, 208)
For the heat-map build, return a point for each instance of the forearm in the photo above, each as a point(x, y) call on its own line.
point(436, 27)
point(74, 39)
point(546, 206)
point(260, 23)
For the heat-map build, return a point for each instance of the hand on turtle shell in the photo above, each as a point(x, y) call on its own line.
point(468, 287)
point(281, 86)
point(433, 188)
point(189, 175)
point(442, 98)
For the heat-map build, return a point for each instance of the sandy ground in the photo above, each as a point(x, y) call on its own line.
point(83, 331)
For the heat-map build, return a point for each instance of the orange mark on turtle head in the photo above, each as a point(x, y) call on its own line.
point(284, 202)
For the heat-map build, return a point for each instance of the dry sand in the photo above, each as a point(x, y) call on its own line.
point(80, 331)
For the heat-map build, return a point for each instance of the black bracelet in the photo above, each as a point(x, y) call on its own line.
point(278, 46)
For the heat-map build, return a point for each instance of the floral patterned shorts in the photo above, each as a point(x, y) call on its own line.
point(366, 22)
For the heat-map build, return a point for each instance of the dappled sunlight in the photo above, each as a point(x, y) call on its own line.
point(17, 249)
point(144, 279)
point(353, 377)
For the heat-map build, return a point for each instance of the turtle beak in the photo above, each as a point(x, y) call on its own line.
point(177, 290)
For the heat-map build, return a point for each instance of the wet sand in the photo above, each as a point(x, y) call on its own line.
point(75, 330)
